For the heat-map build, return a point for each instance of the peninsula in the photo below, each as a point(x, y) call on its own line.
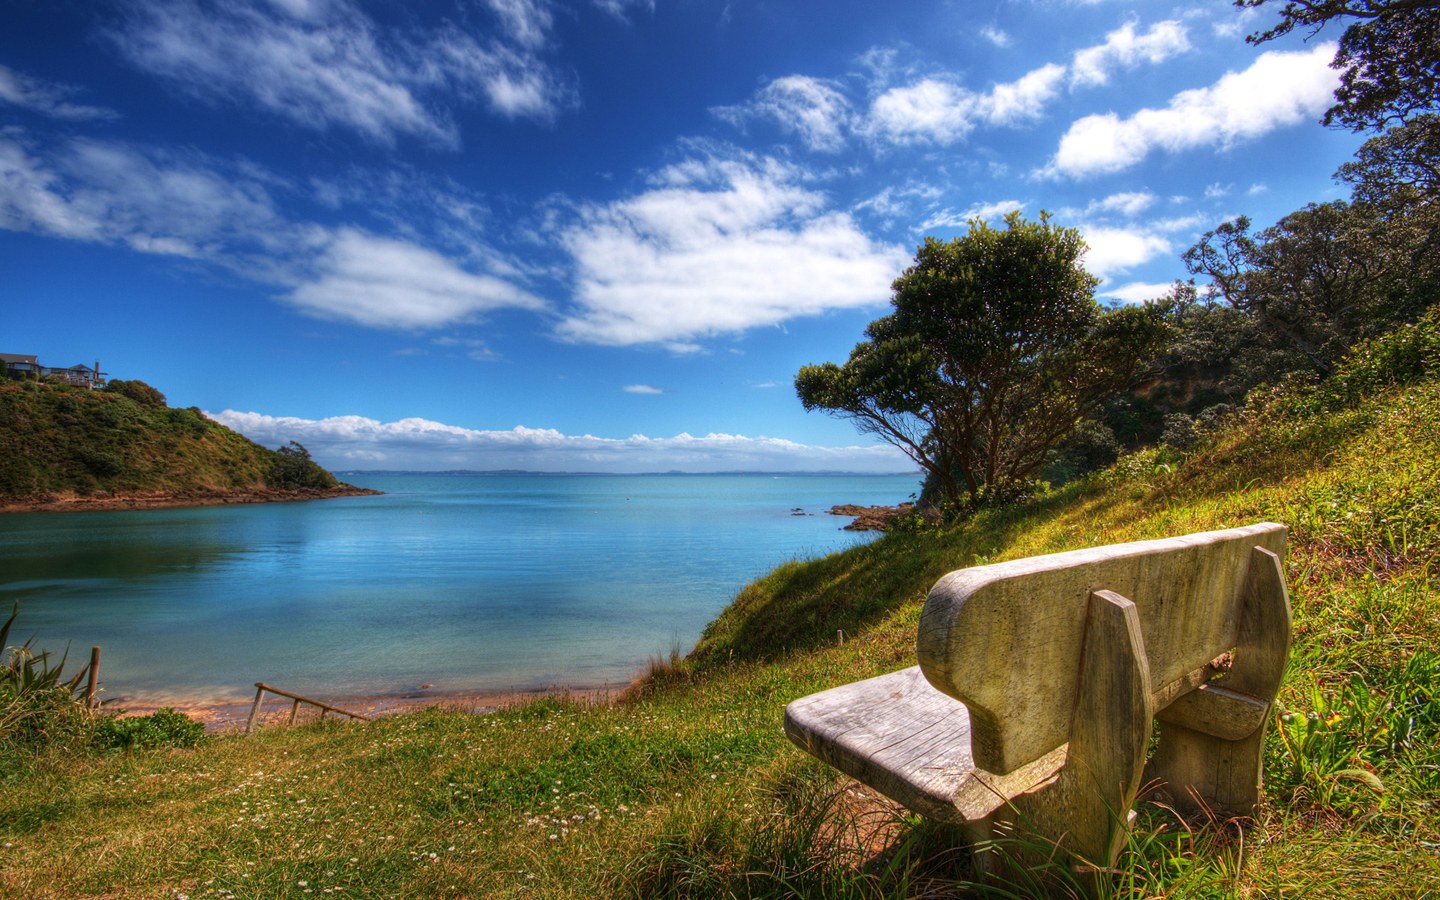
point(67, 446)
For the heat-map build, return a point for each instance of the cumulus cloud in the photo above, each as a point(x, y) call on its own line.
point(717, 247)
point(937, 111)
point(1279, 89)
point(1127, 48)
point(46, 98)
point(808, 107)
point(1115, 250)
point(328, 65)
point(355, 441)
point(387, 283)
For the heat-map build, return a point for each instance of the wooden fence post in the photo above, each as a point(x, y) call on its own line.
point(94, 684)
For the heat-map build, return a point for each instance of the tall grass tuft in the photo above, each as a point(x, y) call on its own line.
point(37, 702)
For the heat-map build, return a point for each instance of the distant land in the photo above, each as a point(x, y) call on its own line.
point(830, 473)
point(67, 447)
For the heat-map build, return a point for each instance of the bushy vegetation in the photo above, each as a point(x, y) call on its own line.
point(59, 439)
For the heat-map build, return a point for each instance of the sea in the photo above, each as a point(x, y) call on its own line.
point(463, 582)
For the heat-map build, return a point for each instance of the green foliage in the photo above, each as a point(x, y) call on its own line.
point(162, 728)
point(1387, 57)
point(293, 468)
point(995, 350)
point(60, 440)
point(37, 702)
point(139, 391)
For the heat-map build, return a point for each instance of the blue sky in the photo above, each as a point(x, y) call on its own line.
point(599, 235)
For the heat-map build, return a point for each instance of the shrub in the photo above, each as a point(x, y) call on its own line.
point(37, 703)
point(162, 728)
point(139, 391)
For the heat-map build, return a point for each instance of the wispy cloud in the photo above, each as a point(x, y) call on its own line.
point(646, 389)
point(188, 205)
point(156, 202)
point(386, 283)
point(717, 246)
point(1279, 89)
point(987, 211)
point(48, 99)
point(996, 36)
point(816, 111)
point(357, 441)
point(328, 65)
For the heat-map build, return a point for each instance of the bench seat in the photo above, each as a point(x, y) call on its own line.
point(910, 742)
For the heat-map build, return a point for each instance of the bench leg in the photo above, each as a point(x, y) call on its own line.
point(1086, 810)
point(1212, 742)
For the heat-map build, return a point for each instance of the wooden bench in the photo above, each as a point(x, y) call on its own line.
point(1039, 681)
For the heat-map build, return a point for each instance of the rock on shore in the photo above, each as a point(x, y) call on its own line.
point(59, 502)
point(871, 518)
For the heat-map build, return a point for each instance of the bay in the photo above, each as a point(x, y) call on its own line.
point(465, 582)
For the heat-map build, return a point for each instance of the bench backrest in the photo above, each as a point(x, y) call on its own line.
point(1006, 639)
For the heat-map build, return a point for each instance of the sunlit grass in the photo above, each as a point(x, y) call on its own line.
point(687, 787)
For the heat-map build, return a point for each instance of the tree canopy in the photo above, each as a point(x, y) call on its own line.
point(995, 349)
point(1388, 57)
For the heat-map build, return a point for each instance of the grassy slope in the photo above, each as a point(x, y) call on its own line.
point(690, 789)
point(60, 439)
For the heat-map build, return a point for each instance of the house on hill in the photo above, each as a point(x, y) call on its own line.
point(19, 365)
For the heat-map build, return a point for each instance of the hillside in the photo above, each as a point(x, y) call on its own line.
point(71, 447)
point(686, 787)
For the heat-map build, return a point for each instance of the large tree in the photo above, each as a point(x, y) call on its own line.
point(1388, 56)
point(995, 349)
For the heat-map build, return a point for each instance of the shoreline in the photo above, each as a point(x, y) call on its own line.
point(223, 715)
point(66, 502)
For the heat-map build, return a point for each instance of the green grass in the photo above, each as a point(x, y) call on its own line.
point(687, 788)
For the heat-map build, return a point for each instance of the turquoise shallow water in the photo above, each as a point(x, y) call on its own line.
point(465, 582)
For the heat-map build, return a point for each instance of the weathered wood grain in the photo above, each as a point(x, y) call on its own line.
point(911, 743)
point(1209, 756)
point(1040, 680)
point(1004, 639)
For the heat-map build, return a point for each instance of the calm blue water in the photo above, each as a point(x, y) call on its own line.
point(466, 582)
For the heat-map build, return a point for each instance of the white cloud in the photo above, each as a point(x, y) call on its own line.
point(1137, 291)
point(1127, 48)
point(995, 36)
point(642, 389)
point(948, 218)
point(814, 110)
point(386, 283)
point(1279, 89)
point(718, 247)
point(158, 203)
point(621, 9)
point(929, 110)
point(355, 441)
point(48, 99)
point(327, 65)
point(940, 112)
point(1023, 100)
point(1118, 249)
